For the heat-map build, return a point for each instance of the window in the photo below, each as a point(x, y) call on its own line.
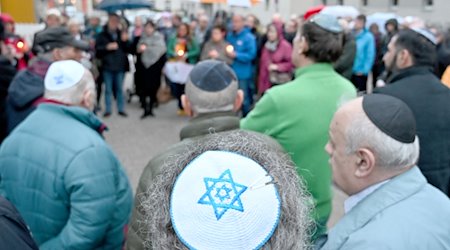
point(365, 3)
point(428, 4)
point(324, 2)
point(340, 2)
point(394, 3)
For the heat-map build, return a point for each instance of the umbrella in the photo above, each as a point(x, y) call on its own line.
point(115, 5)
point(380, 19)
point(341, 11)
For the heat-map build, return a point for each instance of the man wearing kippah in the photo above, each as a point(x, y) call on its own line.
point(61, 175)
point(299, 113)
point(410, 58)
point(212, 99)
point(52, 44)
point(373, 150)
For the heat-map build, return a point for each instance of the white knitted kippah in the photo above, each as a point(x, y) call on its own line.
point(223, 200)
point(63, 75)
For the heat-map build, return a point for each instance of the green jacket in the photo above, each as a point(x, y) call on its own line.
point(193, 50)
point(298, 115)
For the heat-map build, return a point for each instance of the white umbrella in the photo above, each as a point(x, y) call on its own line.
point(341, 11)
point(380, 19)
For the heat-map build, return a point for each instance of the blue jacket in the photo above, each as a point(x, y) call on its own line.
point(365, 52)
point(406, 213)
point(244, 44)
point(65, 180)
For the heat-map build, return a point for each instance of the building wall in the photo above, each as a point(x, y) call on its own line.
point(437, 13)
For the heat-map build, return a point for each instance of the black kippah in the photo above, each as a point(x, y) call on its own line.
point(392, 116)
point(212, 76)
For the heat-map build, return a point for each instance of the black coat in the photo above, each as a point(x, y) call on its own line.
point(7, 73)
point(14, 232)
point(112, 60)
point(429, 100)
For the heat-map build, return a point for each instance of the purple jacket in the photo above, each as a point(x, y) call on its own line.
point(282, 57)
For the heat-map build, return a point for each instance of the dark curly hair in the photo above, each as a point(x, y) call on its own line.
point(324, 46)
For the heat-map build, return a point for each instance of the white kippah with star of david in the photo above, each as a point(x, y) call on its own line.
point(223, 200)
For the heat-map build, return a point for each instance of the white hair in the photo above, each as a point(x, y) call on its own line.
point(389, 153)
point(74, 95)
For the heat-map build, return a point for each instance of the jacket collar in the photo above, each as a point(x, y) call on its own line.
point(78, 113)
point(396, 190)
point(205, 124)
point(410, 71)
point(315, 68)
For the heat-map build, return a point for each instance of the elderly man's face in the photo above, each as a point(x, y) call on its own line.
point(343, 163)
point(238, 23)
point(53, 21)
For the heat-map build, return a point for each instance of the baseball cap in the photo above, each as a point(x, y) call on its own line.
point(57, 37)
point(63, 75)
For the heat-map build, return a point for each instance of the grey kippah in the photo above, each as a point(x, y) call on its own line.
point(212, 76)
point(326, 22)
point(392, 116)
point(427, 34)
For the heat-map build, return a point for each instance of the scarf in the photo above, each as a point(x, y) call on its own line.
point(271, 46)
point(156, 47)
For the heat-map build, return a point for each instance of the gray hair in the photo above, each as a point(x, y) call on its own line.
point(295, 225)
point(389, 153)
point(74, 94)
point(207, 102)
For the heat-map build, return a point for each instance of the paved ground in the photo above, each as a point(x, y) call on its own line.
point(136, 141)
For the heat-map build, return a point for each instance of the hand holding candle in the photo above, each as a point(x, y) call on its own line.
point(230, 51)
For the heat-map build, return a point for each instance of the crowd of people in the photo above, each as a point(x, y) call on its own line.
point(245, 174)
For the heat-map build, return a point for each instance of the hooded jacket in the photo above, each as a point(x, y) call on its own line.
point(65, 180)
point(25, 89)
point(282, 57)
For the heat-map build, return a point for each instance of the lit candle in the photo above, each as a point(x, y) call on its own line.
point(180, 52)
point(230, 48)
point(20, 45)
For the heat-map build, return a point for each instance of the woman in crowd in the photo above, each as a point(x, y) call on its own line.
point(216, 48)
point(275, 64)
point(150, 50)
point(181, 48)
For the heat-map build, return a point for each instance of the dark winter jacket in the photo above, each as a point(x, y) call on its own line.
point(7, 73)
point(429, 100)
point(344, 65)
point(112, 60)
point(25, 89)
point(14, 232)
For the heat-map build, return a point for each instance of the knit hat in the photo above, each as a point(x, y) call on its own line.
point(223, 200)
point(63, 75)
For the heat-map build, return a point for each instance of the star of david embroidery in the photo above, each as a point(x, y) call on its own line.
point(223, 194)
point(59, 79)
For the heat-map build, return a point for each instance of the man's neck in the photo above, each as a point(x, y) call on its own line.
point(304, 62)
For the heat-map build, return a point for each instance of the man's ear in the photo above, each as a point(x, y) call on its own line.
point(88, 101)
point(239, 100)
point(186, 105)
point(405, 59)
point(365, 162)
point(304, 46)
